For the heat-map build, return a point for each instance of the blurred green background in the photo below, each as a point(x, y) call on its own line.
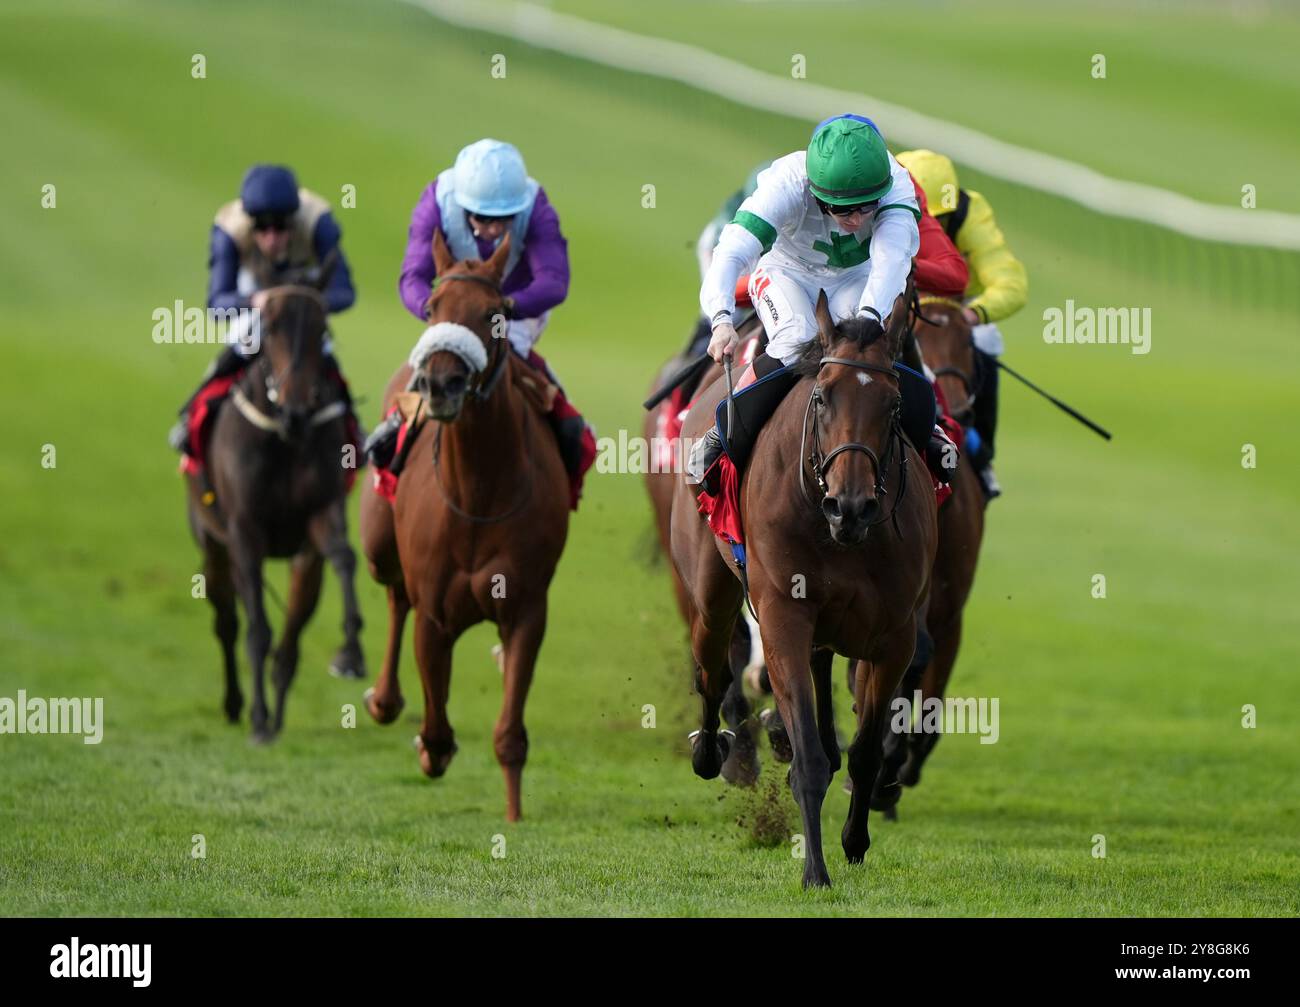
point(1119, 716)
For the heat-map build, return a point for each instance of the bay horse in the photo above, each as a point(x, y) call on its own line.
point(840, 544)
point(944, 337)
point(741, 766)
point(478, 523)
point(275, 485)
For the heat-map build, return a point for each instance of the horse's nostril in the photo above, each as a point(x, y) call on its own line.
point(831, 508)
point(870, 508)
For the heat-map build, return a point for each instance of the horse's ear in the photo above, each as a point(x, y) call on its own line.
point(326, 271)
point(825, 324)
point(497, 263)
point(442, 259)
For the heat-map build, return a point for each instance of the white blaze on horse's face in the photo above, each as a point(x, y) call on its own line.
point(864, 378)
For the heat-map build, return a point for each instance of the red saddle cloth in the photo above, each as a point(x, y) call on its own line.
point(723, 509)
point(561, 409)
point(203, 411)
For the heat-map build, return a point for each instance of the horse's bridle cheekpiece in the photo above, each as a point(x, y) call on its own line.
point(820, 463)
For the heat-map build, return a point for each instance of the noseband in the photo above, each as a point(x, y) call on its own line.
point(820, 463)
point(489, 379)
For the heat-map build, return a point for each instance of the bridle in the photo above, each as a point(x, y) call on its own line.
point(275, 422)
point(820, 463)
point(487, 379)
point(482, 389)
point(968, 381)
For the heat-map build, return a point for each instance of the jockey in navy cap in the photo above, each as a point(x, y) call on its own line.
point(274, 233)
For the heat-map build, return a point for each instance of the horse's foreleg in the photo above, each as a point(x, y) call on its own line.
point(305, 577)
point(822, 660)
point(436, 742)
point(247, 553)
point(522, 640)
point(329, 533)
point(220, 589)
point(877, 682)
point(385, 701)
point(787, 647)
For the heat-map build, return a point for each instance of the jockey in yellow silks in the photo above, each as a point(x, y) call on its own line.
point(998, 286)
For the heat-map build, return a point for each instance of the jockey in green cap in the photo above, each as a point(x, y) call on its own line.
point(841, 217)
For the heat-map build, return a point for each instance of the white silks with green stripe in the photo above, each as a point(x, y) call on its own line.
point(781, 227)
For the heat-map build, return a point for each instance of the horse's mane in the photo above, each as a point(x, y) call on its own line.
point(857, 331)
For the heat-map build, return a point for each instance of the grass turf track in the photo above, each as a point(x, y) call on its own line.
point(1119, 717)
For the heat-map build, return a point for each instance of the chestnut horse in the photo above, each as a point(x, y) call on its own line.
point(478, 524)
point(840, 544)
point(276, 486)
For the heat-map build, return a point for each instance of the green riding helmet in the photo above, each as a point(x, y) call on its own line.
point(848, 162)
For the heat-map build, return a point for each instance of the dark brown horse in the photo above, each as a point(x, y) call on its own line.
point(841, 542)
point(277, 477)
point(478, 524)
point(944, 337)
point(741, 766)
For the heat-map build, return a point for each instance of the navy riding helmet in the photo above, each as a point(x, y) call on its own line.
point(269, 188)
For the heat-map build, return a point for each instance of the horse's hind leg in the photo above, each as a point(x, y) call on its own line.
point(220, 588)
point(436, 742)
point(329, 533)
point(384, 700)
point(521, 639)
point(877, 681)
point(711, 646)
point(934, 682)
point(741, 766)
point(792, 684)
point(898, 745)
point(305, 576)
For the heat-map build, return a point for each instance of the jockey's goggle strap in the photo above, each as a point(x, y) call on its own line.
point(845, 211)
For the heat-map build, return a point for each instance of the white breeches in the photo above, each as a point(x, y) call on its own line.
point(786, 301)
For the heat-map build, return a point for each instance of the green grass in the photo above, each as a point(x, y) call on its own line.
point(1119, 716)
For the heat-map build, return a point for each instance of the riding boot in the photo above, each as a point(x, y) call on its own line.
point(986, 406)
point(754, 404)
point(381, 445)
point(229, 361)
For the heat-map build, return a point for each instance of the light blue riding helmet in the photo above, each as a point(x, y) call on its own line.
point(490, 179)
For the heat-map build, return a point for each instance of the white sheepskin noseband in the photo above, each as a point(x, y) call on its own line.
point(452, 338)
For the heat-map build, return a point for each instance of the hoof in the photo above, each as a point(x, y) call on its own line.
point(709, 750)
point(434, 763)
point(742, 766)
point(347, 665)
point(776, 736)
point(891, 813)
point(816, 877)
point(855, 848)
point(261, 737)
point(232, 711)
point(909, 775)
point(383, 714)
point(885, 797)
